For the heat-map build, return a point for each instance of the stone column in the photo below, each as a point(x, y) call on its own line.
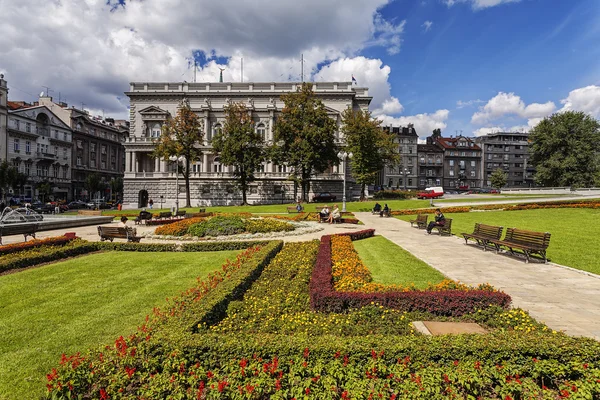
point(205, 162)
point(128, 161)
point(136, 162)
point(206, 127)
point(157, 164)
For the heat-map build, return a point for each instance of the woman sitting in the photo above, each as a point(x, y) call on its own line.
point(335, 215)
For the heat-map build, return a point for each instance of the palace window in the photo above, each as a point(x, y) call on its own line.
point(16, 145)
point(155, 131)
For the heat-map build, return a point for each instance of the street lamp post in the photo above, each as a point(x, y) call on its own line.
point(405, 177)
point(176, 160)
point(344, 156)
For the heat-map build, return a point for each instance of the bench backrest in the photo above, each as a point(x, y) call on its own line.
point(181, 213)
point(120, 231)
point(491, 231)
point(422, 217)
point(448, 224)
point(16, 229)
point(537, 239)
point(145, 215)
point(165, 214)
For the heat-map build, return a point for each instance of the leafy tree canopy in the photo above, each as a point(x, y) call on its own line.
point(565, 150)
point(372, 148)
point(498, 178)
point(304, 136)
point(239, 145)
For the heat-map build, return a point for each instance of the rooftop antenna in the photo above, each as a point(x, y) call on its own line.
point(48, 90)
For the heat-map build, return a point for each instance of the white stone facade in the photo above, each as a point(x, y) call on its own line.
point(210, 182)
point(3, 118)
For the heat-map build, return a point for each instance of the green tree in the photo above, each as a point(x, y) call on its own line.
point(240, 146)
point(44, 190)
point(304, 136)
point(93, 184)
point(116, 187)
point(565, 150)
point(181, 136)
point(10, 177)
point(372, 148)
point(498, 178)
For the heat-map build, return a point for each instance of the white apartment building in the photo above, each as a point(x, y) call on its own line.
point(210, 182)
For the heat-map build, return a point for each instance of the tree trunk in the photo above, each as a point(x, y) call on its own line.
point(186, 175)
point(363, 196)
point(244, 187)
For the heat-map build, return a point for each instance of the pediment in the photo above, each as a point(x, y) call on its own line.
point(153, 110)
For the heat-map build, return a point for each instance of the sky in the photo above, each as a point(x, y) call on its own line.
point(468, 67)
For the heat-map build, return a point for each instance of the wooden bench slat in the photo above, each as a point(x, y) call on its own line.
point(421, 221)
point(446, 228)
point(529, 242)
point(117, 232)
point(483, 234)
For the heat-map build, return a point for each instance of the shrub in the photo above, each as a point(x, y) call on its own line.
point(394, 194)
point(267, 225)
point(217, 226)
point(221, 246)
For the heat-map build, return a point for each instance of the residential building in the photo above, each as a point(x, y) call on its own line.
point(151, 103)
point(3, 119)
point(431, 164)
point(461, 163)
point(508, 151)
point(39, 146)
point(97, 147)
point(404, 175)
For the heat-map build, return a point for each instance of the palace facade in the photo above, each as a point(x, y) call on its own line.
point(211, 183)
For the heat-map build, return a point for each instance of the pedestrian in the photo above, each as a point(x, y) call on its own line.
point(440, 220)
point(150, 203)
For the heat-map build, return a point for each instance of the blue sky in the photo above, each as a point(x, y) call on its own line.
point(474, 66)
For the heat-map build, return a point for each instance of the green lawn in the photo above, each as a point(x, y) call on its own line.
point(391, 264)
point(82, 303)
point(574, 240)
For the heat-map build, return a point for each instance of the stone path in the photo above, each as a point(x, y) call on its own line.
point(564, 299)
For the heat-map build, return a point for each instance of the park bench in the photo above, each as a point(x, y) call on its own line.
point(18, 229)
point(446, 228)
point(528, 242)
point(421, 221)
point(180, 214)
point(294, 209)
point(165, 214)
point(118, 232)
point(144, 216)
point(322, 217)
point(483, 234)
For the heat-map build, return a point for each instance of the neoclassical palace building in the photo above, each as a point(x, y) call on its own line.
point(151, 103)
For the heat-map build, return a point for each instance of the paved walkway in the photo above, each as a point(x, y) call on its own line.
point(563, 299)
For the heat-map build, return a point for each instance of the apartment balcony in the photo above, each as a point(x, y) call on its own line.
point(46, 156)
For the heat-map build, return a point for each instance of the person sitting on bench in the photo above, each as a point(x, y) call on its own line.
point(335, 215)
point(123, 221)
point(324, 214)
point(385, 211)
point(377, 208)
point(440, 220)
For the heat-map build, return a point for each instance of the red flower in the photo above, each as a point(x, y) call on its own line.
point(307, 390)
point(103, 394)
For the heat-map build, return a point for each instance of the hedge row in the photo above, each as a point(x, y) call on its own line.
point(49, 253)
point(443, 302)
point(52, 241)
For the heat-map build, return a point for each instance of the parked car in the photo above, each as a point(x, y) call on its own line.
point(77, 204)
point(323, 197)
point(431, 193)
point(42, 208)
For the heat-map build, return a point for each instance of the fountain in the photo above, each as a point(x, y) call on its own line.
point(19, 215)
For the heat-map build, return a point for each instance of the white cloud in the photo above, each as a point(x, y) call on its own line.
point(586, 99)
point(90, 53)
point(368, 73)
point(424, 123)
point(427, 25)
point(462, 104)
point(479, 4)
point(504, 104)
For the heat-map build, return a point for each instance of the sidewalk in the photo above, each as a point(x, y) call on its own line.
point(563, 299)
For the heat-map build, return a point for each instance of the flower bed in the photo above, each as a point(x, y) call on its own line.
point(438, 300)
point(223, 225)
point(52, 241)
point(242, 358)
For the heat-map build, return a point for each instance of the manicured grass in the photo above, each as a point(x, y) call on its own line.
point(391, 264)
point(574, 240)
point(493, 197)
point(83, 303)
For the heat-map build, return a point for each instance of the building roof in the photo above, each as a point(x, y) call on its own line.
point(428, 148)
point(452, 143)
point(17, 105)
point(401, 130)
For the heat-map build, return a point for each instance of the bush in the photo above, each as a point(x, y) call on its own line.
point(394, 194)
point(217, 226)
point(267, 225)
point(222, 246)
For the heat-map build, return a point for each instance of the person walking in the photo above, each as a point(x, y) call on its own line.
point(440, 220)
point(150, 203)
